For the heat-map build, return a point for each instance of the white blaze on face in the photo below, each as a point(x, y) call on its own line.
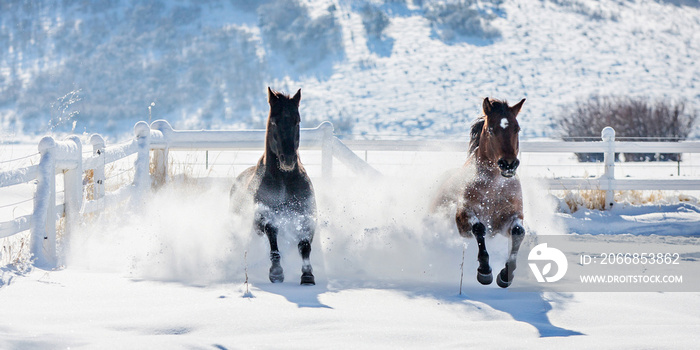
point(504, 123)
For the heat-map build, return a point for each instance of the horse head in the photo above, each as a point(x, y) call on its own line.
point(282, 138)
point(499, 136)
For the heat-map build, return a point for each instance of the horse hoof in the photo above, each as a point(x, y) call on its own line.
point(307, 280)
point(483, 278)
point(276, 278)
point(276, 274)
point(503, 283)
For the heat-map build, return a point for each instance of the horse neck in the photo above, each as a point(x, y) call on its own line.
point(269, 159)
point(484, 163)
point(269, 162)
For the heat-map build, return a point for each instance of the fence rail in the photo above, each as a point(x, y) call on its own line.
point(67, 158)
point(608, 146)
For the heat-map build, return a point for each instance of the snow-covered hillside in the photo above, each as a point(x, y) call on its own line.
point(182, 272)
point(389, 67)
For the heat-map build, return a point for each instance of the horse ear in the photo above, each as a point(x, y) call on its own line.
point(516, 109)
point(271, 96)
point(487, 106)
point(297, 97)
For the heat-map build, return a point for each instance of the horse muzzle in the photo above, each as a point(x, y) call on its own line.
point(287, 163)
point(508, 166)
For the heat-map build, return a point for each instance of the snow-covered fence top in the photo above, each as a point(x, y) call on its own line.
point(67, 158)
point(163, 139)
point(163, 136)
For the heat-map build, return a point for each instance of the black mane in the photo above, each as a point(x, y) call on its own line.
point(476, 134)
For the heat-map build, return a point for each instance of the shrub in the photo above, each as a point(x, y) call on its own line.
point(470, 18)
point(634, 119)
point(287, 28)
point(374, 20)
point(592, 9)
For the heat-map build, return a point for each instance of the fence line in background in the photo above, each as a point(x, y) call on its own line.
point(67, 158)
point(608, 146)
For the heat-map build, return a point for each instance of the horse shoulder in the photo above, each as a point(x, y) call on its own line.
point(248, 179)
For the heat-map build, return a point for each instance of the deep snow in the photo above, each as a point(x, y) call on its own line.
point(387, 276)
point(387, 271)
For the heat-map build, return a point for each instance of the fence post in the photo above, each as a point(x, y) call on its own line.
point(142, 165)
point(73, 188)
point(43, 225)
point(608, 136)
point(98, 176)
point(160, 156)
point(327, 150)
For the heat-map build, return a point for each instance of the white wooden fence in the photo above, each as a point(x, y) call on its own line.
point(67, 158)
point(608, 146)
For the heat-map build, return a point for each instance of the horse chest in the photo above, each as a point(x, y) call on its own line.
point(274, 195)
point(488, 196)
point(281, 195)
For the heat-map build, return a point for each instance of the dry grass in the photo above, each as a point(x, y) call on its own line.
point(185, 171)
point(89, 185)
point(595, 199)
point(16, 254)
point(590, 199)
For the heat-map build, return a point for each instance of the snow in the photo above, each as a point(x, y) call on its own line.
point(387, 273)
point(155, 315)
point(549, 53)
point(210, 67)
point(671, 219)
point(172, 274)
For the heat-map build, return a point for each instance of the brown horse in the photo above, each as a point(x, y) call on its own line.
point(279, 186)
point(486, 190)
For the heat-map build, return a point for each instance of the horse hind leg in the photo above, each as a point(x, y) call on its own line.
point(505, 277)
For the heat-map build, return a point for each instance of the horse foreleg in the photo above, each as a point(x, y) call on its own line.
point(276, 271)
point(307, 276)
point(483, 274)
point(306, 235)
point(505, 277)
point(469, 225)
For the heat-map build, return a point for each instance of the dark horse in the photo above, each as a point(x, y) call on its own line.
point(279, 186)
point(487, 192)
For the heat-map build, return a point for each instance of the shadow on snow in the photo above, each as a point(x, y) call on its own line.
point(302, 296)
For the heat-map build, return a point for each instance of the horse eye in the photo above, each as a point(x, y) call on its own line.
point(490, 130)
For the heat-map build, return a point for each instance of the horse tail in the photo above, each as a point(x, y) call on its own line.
point(476, 134)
